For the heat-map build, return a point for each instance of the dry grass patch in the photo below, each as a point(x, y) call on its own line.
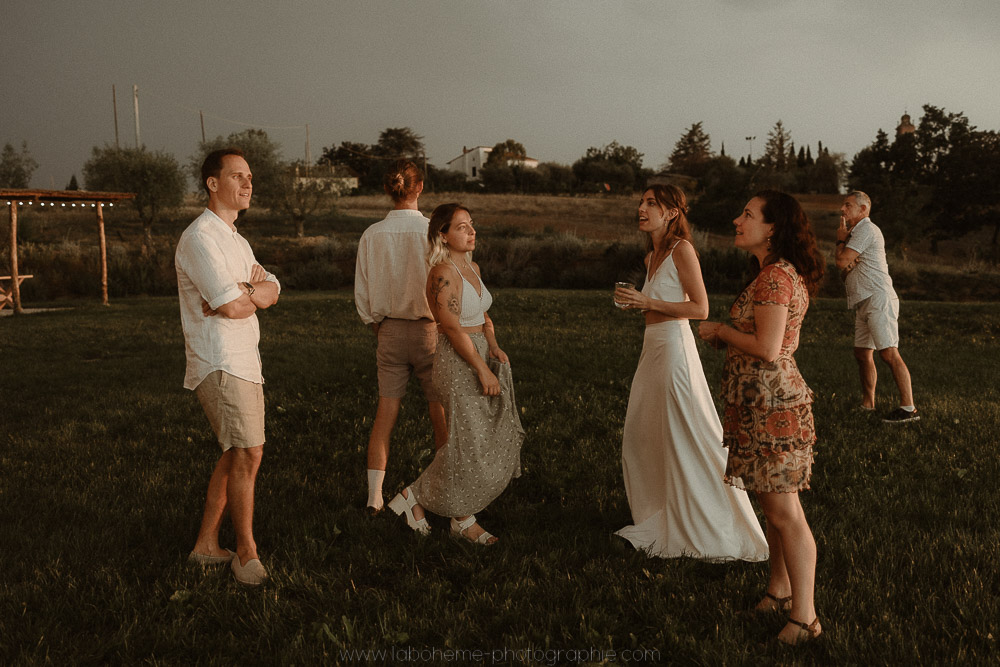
point(605, 218)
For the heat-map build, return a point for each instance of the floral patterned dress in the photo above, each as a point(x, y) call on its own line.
point(768, 422)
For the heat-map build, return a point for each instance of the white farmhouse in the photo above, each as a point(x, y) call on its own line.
point(471, 161)
point(338, 177)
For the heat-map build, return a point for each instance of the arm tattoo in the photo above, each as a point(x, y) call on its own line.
point(444, 300)
point(440, 282)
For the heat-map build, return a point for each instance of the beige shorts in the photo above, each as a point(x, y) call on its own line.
point(876, 323)
point(405, 347)
point(235, 409)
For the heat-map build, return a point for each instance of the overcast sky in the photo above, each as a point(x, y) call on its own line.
point(558, 76)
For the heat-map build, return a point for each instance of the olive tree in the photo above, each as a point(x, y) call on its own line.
point(155, 177)
point(286, 188)
point(16, 167)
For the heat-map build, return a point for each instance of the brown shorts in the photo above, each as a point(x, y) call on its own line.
point(405, 347)
point(235, 409)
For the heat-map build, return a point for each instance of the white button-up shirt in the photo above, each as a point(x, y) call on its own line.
point(211, 259)
point(390, 276)
point(871, 274)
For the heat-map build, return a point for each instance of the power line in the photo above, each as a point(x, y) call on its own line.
point(376, 157)
point(228, 120)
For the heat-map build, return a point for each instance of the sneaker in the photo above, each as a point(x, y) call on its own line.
point(899, 415)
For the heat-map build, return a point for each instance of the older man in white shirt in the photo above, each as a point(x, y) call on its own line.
point(860, 256)
point(221, 286)
point(389, 291)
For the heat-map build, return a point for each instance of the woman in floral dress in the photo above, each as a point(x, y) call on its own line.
point(768, 422)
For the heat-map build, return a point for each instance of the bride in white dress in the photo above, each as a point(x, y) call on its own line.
point(672, 455)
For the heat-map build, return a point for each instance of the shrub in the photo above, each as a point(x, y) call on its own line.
point(725, 271)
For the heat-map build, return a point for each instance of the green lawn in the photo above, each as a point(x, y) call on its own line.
point(104, 460)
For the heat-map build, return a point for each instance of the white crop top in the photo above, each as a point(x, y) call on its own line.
point(474, 306)
point(665, 285)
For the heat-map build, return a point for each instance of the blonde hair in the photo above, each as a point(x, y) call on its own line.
point(440, 222)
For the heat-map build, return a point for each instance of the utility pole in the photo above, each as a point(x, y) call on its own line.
point(200, 113)
point(750, 139)
point(114, 106)
point(135, 102)
point(308, 156)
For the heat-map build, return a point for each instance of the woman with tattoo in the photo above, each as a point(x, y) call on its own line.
point(472, 377)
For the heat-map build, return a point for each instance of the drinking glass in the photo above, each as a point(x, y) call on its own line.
point(625, 285)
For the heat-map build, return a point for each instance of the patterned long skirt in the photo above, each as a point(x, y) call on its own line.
point(483, 452)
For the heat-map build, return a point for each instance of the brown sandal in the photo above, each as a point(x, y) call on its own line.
point(805, 634)
point(771, 603)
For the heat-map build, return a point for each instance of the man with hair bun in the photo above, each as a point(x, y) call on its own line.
point(389, 280)
point(860, 256)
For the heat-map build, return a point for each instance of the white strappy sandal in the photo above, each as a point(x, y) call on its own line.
point(459, 528)
point(403, 505)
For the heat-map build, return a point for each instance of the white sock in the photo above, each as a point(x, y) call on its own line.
point(375, 478)
point(909, 408)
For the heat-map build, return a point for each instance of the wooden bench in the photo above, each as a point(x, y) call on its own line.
point(7, 291)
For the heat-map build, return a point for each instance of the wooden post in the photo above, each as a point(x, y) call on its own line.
point(104, 254)
point(15, 282)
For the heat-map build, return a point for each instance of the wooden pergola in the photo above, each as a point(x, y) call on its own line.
point(59, 199)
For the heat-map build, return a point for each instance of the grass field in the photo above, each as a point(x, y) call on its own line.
point(104, 461)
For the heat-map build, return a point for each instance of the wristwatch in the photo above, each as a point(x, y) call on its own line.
point(839, 242)
point(250, 288)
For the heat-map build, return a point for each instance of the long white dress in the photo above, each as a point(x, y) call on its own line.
point(672, 455)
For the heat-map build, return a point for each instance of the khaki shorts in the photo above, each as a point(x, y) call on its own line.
point(405, 347)
point(876, 324)
point(235, 409)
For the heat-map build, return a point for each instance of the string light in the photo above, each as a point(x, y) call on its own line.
point(52, 204)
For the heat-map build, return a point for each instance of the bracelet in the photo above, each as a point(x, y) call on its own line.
point(839, 242)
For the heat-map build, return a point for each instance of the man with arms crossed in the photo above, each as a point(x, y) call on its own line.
point(221, 286)
point(390, 281)
point(861, 257)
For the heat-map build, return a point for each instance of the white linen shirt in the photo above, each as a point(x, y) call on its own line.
point(210, 260)
point(390, 275)
point(871, 274)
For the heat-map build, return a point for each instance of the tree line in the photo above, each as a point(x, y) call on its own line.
point(940, 181)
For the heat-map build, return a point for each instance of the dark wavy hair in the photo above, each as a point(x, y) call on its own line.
point(793, 238)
